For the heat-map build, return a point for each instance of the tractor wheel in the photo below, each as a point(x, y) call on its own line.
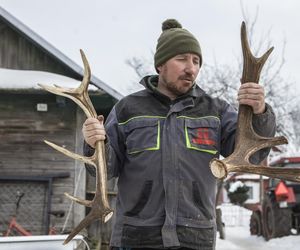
point(277, 221)
point(255, 224)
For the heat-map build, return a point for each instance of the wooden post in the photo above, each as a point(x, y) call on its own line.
point(80, 173)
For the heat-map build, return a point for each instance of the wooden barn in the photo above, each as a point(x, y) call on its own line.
point(28, 115)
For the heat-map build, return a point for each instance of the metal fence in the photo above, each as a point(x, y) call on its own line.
point(233, 215)
point(31, 212)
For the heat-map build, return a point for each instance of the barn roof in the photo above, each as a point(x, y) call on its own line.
point(50, 49)
point(12, 79)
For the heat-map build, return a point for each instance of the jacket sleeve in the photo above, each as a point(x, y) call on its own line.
point(228, 129)
point(263, 124)
point(114, 148)
point(89, 151)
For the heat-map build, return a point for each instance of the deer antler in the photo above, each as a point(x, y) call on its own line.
point(247, 141)
point(99, 205)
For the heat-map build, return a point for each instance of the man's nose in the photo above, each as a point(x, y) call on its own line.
point(190, 67)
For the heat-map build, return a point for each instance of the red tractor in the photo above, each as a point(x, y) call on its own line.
point(278, 213)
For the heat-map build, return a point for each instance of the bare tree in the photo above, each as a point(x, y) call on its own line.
point(223, 81)
point(141, 67)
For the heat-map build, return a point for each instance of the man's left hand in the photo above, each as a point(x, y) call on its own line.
point(252, 94)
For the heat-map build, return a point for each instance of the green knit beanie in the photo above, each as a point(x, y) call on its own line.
point(174, 40)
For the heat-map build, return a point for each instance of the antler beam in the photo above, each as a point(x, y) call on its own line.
point(100, 209)
point(247, 141)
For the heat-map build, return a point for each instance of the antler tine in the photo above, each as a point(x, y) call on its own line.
point(97, 212)
point(252, 65)
point(87, 71)
point(84, 223)
point(100, 209)
point(221, 169)
point(247, 141)
point(94, 214)
point(87, 160)
point(78, 200)
point(78, 95)
point(83, 88)
point(264, 142)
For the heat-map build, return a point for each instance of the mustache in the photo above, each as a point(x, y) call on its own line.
point(188, 77)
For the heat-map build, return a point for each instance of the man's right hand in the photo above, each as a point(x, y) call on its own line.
point(93, 130)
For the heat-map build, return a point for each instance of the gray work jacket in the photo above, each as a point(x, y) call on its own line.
point(160, 151)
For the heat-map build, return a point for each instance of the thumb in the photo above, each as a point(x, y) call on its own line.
point(100, 118)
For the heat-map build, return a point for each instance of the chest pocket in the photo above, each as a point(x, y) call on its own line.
point(202, 134)
point(142, 135)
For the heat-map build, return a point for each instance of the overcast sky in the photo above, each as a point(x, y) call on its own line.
point(111, 31)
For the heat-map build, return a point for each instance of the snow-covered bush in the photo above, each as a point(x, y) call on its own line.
point(237, 192)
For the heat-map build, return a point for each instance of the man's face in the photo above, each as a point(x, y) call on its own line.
point(178, 74)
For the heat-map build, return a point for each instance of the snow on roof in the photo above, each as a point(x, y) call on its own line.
point(28, 79)
point(55, 52)
point(250, 177)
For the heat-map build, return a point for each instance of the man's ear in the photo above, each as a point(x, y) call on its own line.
point(158, 69)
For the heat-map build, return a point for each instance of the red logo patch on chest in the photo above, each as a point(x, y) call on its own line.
point(203, 137)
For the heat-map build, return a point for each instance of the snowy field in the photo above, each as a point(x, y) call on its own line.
point(238, 236)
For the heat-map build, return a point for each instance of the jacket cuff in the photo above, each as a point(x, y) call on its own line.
point(263, 118)
point(87, 149)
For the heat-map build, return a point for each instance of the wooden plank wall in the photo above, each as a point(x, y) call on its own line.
point(22, 150)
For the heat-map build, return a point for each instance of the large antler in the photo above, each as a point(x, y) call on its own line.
point(100, 209)
point(247, 141)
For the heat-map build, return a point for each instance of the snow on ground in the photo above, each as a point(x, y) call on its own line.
point(239, 238)
point(237, 234)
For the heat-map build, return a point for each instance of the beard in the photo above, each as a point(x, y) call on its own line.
point(179, 90)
